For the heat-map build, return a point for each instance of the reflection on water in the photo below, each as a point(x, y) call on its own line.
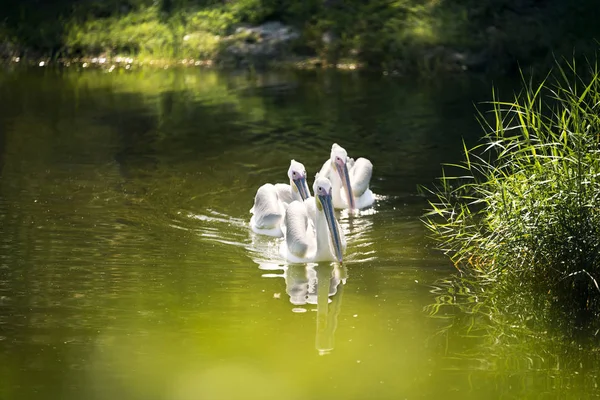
point(330, 282)
point(320, 284)
point(508, 345)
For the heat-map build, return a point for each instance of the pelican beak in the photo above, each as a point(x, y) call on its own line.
point(332, 225)
point(302, 187)
point(342, 170)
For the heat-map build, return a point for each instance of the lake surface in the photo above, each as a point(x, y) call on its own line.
point(128, 271)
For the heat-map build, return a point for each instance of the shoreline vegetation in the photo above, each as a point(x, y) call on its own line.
point(519, 215)
point(394, 36)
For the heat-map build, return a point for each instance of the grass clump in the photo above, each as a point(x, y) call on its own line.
point(151, 32)
point(523, 209)
point(140, 32)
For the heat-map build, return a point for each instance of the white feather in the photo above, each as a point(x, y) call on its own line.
point(284, 192)
point(267, 212)
point(299, 230)
point(360, 176)
point(271, 201)
point(307, 235)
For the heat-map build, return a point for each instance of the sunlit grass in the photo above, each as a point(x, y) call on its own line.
point(522, 208)
point(139, 33)
point(148, 33)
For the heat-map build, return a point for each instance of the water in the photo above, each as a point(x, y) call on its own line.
point(127, 269)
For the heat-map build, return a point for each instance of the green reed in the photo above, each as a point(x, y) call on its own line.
point(522, 208)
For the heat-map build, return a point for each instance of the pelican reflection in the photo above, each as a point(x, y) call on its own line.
point(321, 284)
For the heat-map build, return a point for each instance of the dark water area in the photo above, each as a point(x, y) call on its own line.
point(128, 270)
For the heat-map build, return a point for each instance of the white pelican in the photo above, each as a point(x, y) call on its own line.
point(350, 179)
point(271, 201)
point(310, 241)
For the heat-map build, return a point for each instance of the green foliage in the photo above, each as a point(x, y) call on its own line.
point(151, 32)
point(421, 36)
point(213, 20)
point(4, 36)
point(248, 11)
point(135, 33)
point(523, 208)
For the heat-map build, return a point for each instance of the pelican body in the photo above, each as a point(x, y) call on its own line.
point(271, 201)
point(312, 240)
point(350, 179)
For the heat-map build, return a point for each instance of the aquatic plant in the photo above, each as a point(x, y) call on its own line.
point(522, 209)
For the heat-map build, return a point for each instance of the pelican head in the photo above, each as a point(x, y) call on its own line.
point(339, 159)
point(297, 175)
point(322, 189)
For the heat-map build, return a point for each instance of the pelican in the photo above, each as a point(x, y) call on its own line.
point(271, 201)
point(350, 179)
point(310, 241)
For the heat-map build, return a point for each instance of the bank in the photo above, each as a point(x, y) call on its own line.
point(399, 37)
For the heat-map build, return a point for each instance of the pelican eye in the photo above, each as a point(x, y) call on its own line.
point(320, 189)
point(294, 173)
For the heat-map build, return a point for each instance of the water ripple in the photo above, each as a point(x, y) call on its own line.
point(216, 226)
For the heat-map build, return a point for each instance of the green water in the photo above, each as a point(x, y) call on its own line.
point(128, 271)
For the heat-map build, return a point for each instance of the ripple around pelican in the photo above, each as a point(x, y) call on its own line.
point(217, 227)
point(359, 236)
point(214, 227)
